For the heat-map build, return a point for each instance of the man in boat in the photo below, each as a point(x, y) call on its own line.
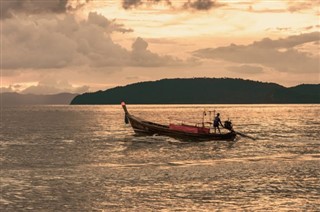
point(216, 123)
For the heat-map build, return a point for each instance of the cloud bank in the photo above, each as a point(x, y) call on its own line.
point(282, 55)
point(49, 86)
point(54, 43)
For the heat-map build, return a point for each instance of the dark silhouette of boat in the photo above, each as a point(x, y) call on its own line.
point(187, 132)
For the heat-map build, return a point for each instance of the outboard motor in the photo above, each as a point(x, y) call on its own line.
point(228, 125)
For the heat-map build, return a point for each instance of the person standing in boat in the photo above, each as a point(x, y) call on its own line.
point(216, 123)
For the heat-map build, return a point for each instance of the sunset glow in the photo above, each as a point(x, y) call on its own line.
point(89, 44)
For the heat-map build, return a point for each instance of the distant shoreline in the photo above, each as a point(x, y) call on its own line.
point(204, 90)
point(195, 91)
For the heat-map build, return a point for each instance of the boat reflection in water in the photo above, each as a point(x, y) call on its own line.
point(189, 132)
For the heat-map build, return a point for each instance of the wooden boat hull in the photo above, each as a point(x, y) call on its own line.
point(149, 128)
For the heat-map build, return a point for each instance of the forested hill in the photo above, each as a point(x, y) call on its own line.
point(202, 91)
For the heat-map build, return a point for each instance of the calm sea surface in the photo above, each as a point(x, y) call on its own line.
point(84, 158)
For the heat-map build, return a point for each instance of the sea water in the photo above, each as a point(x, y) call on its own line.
point(85, 158)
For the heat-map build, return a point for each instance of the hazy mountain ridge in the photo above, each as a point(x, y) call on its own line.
point(35, 99)
point(203, 91)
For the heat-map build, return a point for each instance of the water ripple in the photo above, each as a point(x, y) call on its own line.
point(84, 158)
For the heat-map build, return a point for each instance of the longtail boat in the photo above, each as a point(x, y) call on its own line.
point(182, 131)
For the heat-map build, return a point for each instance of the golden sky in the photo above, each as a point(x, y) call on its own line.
point(85, 45)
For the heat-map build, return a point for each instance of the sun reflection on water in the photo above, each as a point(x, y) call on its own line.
point(84, 158)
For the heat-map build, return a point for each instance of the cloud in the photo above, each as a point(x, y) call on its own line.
point(282, 54)
point(10, 8)
point(8, 89)
point(141, 56)
point(246, 69)
point(187, 4)
point(49, 42)
point(139, 45)
point(32, 6)
point(288, 42)
point(201, 4)
point(47, 48)
point(11, 88)
point(49, 86)
point(127, 4)
point(101, 21)
point(297, 6)
point(283, 6)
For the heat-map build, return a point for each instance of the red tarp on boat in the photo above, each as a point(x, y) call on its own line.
point(189, 129)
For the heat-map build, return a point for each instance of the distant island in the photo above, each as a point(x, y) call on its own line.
point(35, 99)
point(203, 91)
